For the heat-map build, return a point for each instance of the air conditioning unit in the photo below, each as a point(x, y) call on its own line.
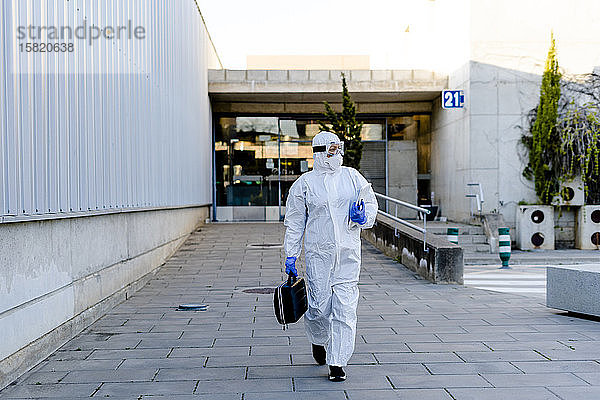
point(571, 193)
point(588, 228)
point(535, 227)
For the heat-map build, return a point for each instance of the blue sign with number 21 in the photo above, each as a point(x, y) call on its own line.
point(453, 99)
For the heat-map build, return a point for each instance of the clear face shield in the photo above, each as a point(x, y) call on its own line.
point(330, 149)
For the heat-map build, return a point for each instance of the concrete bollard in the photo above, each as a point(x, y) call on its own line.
point(504, 246)
point(452, 235)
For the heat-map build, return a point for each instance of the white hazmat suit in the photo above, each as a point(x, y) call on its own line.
point(318, 207)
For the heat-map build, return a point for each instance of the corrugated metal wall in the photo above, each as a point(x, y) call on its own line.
point(117, 124)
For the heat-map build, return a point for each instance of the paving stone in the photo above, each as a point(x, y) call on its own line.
point(472, 368)
point(170, 343)
point(378, 347)
point(120, 375)
point(60, 390)
point(481, 356)
point(264, 341)
point(328, 395)
point(41, 377)
point(70, 355)
point(302, 371)
point(352, 382)
point(136, 389)
point(557, 366)
point(591, 378)
point(245, 386)
point(447, 347)
point(257, 361)
point(546, 379)
point(526, 345)
point(196, 362)
point(399, 394)
point(394, 358)
point(191, 352)
point(475, 337)
point(123, 354)
point(570, 355)
point(503, 394)
point(267, 350)
point(419, 338)
point(437, 381)
point(497, 328)
point(576, 393)
point(563, 336)
point(184, 374)
point(357, 358)
point(387, 369)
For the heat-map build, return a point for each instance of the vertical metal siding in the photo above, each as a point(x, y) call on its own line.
point(122, 124)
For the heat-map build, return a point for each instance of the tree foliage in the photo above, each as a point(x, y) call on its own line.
point(544, 143)
point(574, 148)
point(346, 126)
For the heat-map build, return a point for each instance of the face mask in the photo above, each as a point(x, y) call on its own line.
point(335, 162)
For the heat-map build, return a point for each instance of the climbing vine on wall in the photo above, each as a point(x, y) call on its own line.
point(579, 128)
point(564, 136)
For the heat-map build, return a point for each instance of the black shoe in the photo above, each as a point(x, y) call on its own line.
point(336, 374)
point(319, 354)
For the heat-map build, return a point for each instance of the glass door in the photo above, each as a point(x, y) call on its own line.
point(256, 161)
point(295, 149)
point(246, 160)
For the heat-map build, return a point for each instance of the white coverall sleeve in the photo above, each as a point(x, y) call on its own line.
point(295, 219)
point(371, 205)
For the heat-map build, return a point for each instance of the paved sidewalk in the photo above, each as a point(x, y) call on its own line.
point(415, 340)
point(536, 257)
point(526, 280)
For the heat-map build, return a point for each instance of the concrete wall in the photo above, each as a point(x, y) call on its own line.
point(450, 150)
point(508, 52)
point(441, 263)
point(503, 98)
point(482, 142)
point(402, 175)
point(564, 227)
point(501, 78)
point(60, 275)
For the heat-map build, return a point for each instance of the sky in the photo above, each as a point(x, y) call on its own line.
point(377, 28)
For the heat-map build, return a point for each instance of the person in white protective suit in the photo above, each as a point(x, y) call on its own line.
point(329, 206)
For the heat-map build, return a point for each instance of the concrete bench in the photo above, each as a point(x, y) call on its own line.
point(574, 288)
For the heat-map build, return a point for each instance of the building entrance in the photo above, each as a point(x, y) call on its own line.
point(257, 158)
point(256, 161)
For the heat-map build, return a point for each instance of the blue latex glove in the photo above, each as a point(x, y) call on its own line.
point(357, 213)
point(290, 266)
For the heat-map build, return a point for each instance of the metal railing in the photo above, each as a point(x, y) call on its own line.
point(401, 221)
point(477, 196)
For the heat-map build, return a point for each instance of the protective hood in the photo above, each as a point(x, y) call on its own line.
point(322, 162)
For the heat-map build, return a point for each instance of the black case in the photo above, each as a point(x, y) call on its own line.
point(290, 301)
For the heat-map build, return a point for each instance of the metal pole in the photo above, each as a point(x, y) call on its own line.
point(386, 160)
point(425, 233)
point(279, 167)
point(214, 174)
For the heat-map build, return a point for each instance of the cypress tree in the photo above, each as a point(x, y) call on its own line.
point(346, 126)
point(545, 151)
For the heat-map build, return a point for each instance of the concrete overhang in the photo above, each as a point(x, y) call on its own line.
point(287, 90)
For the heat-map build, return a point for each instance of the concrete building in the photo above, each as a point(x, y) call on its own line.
point(105, 162)
point(112, 153)
point(420, 151)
